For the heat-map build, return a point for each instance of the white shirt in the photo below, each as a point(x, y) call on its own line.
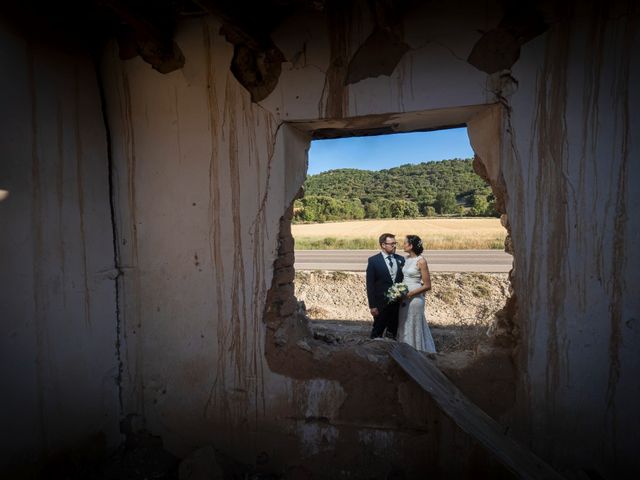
point(393, 269)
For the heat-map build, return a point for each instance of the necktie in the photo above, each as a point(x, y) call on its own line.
point(390, 262)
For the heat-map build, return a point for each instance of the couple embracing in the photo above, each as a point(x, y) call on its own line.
point(402, 319)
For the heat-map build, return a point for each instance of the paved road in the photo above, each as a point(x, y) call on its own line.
point(439, 260)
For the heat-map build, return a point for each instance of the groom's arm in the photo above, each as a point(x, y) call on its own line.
point(371, 280)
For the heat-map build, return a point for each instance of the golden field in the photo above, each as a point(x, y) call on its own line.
point(437, 233)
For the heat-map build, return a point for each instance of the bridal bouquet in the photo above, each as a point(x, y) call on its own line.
point(396, 292)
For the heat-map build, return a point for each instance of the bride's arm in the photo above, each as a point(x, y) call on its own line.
point(426, 278)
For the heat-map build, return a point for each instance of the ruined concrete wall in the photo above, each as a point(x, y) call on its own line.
point(201, 180)
point(571, 164)
point(199, 195)
point(438, 42)
point(58, 338)
point(203, 176)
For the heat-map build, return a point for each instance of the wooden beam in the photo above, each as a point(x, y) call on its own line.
point(520, 460)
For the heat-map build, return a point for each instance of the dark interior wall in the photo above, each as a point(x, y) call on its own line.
point(58, 339)
point(572, 170)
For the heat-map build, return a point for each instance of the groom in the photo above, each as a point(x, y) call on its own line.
point(383, 270)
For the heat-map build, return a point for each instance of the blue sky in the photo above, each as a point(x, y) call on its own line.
point(385, 151)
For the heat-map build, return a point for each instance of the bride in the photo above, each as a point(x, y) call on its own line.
point(412, 324)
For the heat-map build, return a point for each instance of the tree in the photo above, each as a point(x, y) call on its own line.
point(411, 209)
point(431, 187)
point(479, 205)
point(385, 208)
point(403, 209)
point(372, 210)
point(320, 208)
point(425, 205)
point(446, 202)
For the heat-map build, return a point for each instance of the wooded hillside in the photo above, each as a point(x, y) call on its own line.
point(447, 187)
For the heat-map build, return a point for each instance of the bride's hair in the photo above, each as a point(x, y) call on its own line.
point(416, 244)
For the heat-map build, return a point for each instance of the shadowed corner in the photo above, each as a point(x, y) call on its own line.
point(3, 194)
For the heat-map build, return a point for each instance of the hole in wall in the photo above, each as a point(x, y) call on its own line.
point(420, 183)
point(291, 346)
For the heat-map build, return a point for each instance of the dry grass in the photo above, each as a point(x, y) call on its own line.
point(438, 234)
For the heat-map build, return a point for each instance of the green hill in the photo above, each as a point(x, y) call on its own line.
point(425, 189)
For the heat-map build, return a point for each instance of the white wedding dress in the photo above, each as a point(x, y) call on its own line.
point(412, 324)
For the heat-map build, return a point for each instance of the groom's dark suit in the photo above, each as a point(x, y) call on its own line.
point(378, 282)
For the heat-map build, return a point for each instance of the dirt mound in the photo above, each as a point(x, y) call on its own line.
point(459, 308)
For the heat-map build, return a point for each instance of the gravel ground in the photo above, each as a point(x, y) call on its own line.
point(455, 297)
point(459, 308)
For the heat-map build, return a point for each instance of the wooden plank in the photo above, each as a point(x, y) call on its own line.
point(471, 419)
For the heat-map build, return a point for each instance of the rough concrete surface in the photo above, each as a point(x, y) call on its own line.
point(124, 183)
